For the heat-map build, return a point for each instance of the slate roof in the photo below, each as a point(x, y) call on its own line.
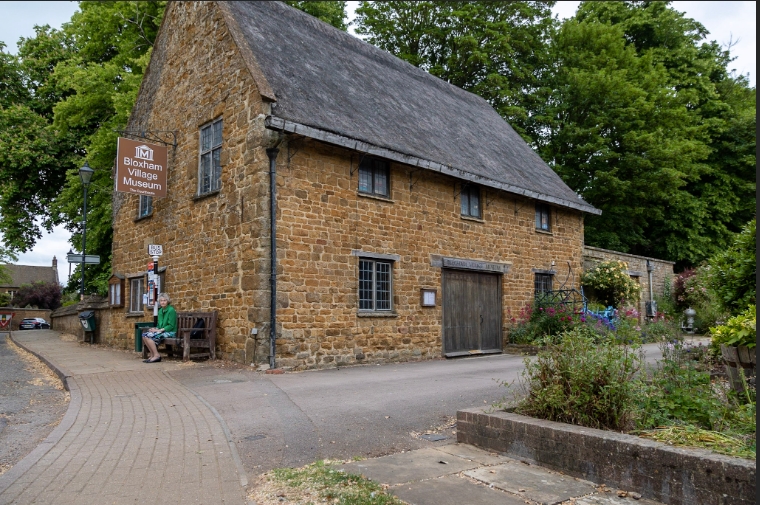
point(27, 274)
point(334, 87)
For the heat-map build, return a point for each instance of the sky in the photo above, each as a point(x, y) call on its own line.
point(726, 21)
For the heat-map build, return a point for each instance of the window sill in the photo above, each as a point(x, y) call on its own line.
point(146, 216)
point(116, 306)
point(206, 195)
point(374, 197)
point(544, 232)
point(376, 314)
point(135, 314)
point(471, 218)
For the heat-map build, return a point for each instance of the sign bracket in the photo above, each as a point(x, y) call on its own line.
point(153, 135)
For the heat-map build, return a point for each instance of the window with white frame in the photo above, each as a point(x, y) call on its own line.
point(145, 207)
point(470, 199)
point(375, 285)
point(543, 217)
point(374, 177)
point(136, 292)
point(115, 290)
point(210, 171)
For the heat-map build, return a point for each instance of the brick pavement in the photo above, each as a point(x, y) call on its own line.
point(132, 434)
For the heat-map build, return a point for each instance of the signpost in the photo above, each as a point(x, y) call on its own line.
point(141, 168)
point(89, 259)
point(154, 282)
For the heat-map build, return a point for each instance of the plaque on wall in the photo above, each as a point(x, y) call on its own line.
point(481, 266)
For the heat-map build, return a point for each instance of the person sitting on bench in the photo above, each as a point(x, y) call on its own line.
point(166, 328)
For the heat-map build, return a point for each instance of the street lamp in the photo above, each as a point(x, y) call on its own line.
point(85, 174)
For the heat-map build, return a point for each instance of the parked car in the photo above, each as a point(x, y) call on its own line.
point(34, 323)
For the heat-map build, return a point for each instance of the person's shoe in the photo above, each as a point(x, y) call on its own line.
point(154, 360)
point(146, 360)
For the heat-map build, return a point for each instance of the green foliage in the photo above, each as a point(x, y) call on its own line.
point(681, 393)
point(5, 300)
point(494, 49)
point(330, 12)
point(43, 295)
point(334, 486)
point(611, 284)
point(641, 115)
point(739, 330)
point(579, 381)
point(732, 271)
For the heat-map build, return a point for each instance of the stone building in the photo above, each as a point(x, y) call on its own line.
point(410, 219)
point(22, 275)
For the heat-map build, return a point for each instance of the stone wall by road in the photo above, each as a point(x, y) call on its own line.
point(662, 273)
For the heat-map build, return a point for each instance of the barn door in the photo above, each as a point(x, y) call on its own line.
point(471, 312)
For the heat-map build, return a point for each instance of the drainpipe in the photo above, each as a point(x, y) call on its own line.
point(272, 153)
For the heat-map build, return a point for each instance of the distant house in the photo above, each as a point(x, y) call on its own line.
point(410, 220)
point(28, 274)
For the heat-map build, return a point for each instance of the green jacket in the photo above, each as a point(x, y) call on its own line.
point(167, 319)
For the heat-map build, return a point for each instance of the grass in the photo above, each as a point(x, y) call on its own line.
point(320, 482)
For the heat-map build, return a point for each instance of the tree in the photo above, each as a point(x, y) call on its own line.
point(647, 124)
point(494, 49)
point(732, 272)
point(330, 12)
point(43, 295)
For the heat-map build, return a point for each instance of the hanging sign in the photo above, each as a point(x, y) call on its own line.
point(155, 250)
point(141, 168)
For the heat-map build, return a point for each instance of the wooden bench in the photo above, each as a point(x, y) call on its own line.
point(187, 336)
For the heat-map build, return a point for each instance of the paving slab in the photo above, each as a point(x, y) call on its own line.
point(410, 466)
point(472, 453)
point(452, 490)
point(532, 482)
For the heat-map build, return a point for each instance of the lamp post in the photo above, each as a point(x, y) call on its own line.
point(85, 174)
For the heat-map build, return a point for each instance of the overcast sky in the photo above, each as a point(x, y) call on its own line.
point(726, 21)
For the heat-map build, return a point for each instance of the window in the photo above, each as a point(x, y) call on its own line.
point(543, 217)
point(145, 207)
point(136, 291)
point(210, 176)
point(470, 197)
point(373, 177)
point(116, 291)
point(543, 284)
point(374, 285)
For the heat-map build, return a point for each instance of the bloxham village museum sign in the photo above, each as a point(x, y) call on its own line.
point(141, 168)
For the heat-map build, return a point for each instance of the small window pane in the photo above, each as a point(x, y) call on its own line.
point(365, 285)
point(146, 206)
point(206, 173)
point(206, 138)
point(543, 217)
point(383, 274)
point(217, 134)
point(135, 295)
point(465, 203)
point(216, 176)
point(474, 202)
point(365, 180)
point(381, 180)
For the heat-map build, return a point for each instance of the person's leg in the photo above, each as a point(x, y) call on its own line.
point(151, 347)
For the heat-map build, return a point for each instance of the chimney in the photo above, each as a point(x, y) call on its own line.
point(55, 269)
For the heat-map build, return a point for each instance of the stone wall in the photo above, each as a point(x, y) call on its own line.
point(20, 314)
point(216, 247)
point(637, 267)
point(671, 475)
point(66, 319)
point(322, 219)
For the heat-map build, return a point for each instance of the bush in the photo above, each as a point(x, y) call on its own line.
point(43, 295)
point(732, 272)
point(611, 284)
point(739, 330)
point(582, 382)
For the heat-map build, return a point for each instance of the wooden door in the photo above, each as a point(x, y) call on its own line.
point(471, 312)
